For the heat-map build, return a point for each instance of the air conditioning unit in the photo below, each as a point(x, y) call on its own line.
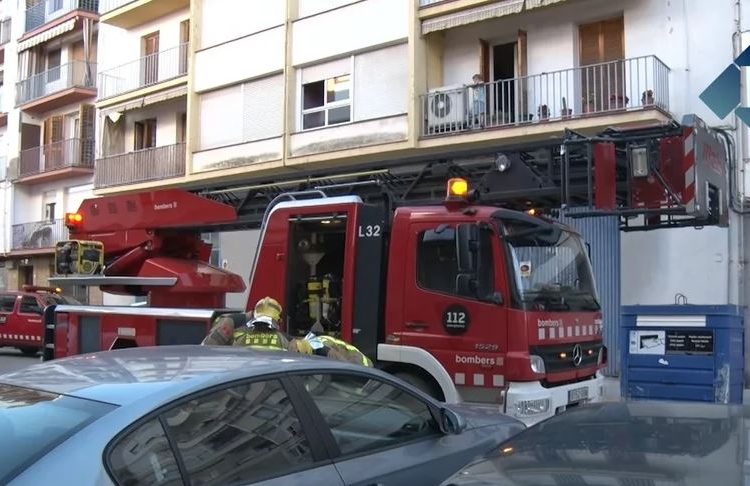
point(446, 108)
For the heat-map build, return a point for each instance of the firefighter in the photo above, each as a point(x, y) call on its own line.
point(320, 344)
point(233, 329)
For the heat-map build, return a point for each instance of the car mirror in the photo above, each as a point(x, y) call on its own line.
point(451, 422)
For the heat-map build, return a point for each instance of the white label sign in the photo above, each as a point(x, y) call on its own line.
point(647, 342)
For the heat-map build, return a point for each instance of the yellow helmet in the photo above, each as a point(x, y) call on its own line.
point(268, 307)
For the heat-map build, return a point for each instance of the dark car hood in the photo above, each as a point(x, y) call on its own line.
point(638, 443)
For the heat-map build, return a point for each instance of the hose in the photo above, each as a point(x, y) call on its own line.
point(732, 167)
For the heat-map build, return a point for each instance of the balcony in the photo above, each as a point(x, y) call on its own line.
point(140, 166)
point(69, 83)
point(38, 235)
point(146, 72)
point(623, 86)
point(56, 160)
point(48, 11)
point(127, 14)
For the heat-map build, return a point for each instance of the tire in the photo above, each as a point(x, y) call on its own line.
point(29, 351)
point(420, 384)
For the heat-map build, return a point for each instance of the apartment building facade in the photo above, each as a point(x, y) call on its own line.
point(50, 133)
point(276, 89)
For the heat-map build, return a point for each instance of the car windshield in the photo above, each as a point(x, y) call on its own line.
point(551, 269)
point(33, 422)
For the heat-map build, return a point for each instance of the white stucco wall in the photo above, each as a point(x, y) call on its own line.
point(119, 46)
point(349, 29)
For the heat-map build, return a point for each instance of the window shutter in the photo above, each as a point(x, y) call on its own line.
point(86, 117)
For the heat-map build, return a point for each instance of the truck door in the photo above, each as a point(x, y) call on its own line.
point(460, 322)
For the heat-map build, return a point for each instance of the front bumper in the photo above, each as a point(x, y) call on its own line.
point(531, 403)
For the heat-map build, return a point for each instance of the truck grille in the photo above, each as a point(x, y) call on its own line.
point(554, 363)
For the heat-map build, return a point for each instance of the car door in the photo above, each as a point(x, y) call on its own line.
point(380, 433)
point(30, 312)
point(243, 434)
point(7, 306)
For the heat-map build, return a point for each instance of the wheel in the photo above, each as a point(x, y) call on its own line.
point(29, 351)
point(420, 384)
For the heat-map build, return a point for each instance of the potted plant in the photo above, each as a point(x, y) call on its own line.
point(543, 112)
point(589, 102)
point(647, 98)
point(617, 102)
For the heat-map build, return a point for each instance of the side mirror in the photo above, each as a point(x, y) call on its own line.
point(451, 422)
point(467, 241)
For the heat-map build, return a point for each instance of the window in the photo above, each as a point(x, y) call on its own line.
point(53, 65)
point(29, 305)
point(437, 261)
point(7, 303)
point(145, 134)
point(49, 212)
point(239, 435)
point(326, 102)
point(144, 457)
point(365, 414)
point(32, 422)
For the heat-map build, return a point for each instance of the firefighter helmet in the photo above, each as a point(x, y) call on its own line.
point(268, 307)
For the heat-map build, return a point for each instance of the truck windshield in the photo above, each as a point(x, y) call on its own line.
point(551, 270)
point(32, 422)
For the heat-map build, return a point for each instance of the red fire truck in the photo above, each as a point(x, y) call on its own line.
point(467, 300)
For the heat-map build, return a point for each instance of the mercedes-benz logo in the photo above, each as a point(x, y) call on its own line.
point(577, 355)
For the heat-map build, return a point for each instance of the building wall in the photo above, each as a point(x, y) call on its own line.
point(28, 202)
point(167, 115)
point(120, 46)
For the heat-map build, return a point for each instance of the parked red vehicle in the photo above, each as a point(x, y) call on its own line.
point(21, 316)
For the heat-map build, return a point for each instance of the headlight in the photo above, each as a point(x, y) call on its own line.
point(537, 364)
point(532, 407)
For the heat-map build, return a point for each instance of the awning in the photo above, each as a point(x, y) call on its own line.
point(55, 31)
point(508, 7)
point(142, 101)
point(485, 12)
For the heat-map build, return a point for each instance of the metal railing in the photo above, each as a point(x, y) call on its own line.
point(49, 10)
point(76, 74)
point(38, 234)
point(73, 152)
point(140, 166)
point(109, 5)
point(628, 84)
point(5, 30)
point(145, 71)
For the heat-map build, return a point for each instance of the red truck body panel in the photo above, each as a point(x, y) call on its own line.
point(21, 319)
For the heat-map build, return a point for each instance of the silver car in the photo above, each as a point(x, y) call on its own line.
point(200, 415)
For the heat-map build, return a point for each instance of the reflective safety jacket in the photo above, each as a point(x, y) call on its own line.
point(271, 340)
point(337, 349)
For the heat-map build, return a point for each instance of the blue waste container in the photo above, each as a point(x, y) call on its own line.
point(683, 352)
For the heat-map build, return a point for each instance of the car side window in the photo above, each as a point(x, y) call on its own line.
point(7, 303)
point(366, 414)
point(239, 435)
point(29, 305)
point(143, 457)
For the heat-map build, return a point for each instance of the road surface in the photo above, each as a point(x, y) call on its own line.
point(12, 359)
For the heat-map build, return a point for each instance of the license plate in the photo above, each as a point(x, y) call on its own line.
point(578, 394)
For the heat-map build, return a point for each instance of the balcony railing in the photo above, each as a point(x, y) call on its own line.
point(140, 166)
point(629, 84)
point(109, 5)
point(146, 71)
point(64, 154)
point(49, 10)
point(76, 74)
point(5, 30)
point(38, 234)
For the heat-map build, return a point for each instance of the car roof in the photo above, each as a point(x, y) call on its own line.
point(659, 440)
point(159, 373)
